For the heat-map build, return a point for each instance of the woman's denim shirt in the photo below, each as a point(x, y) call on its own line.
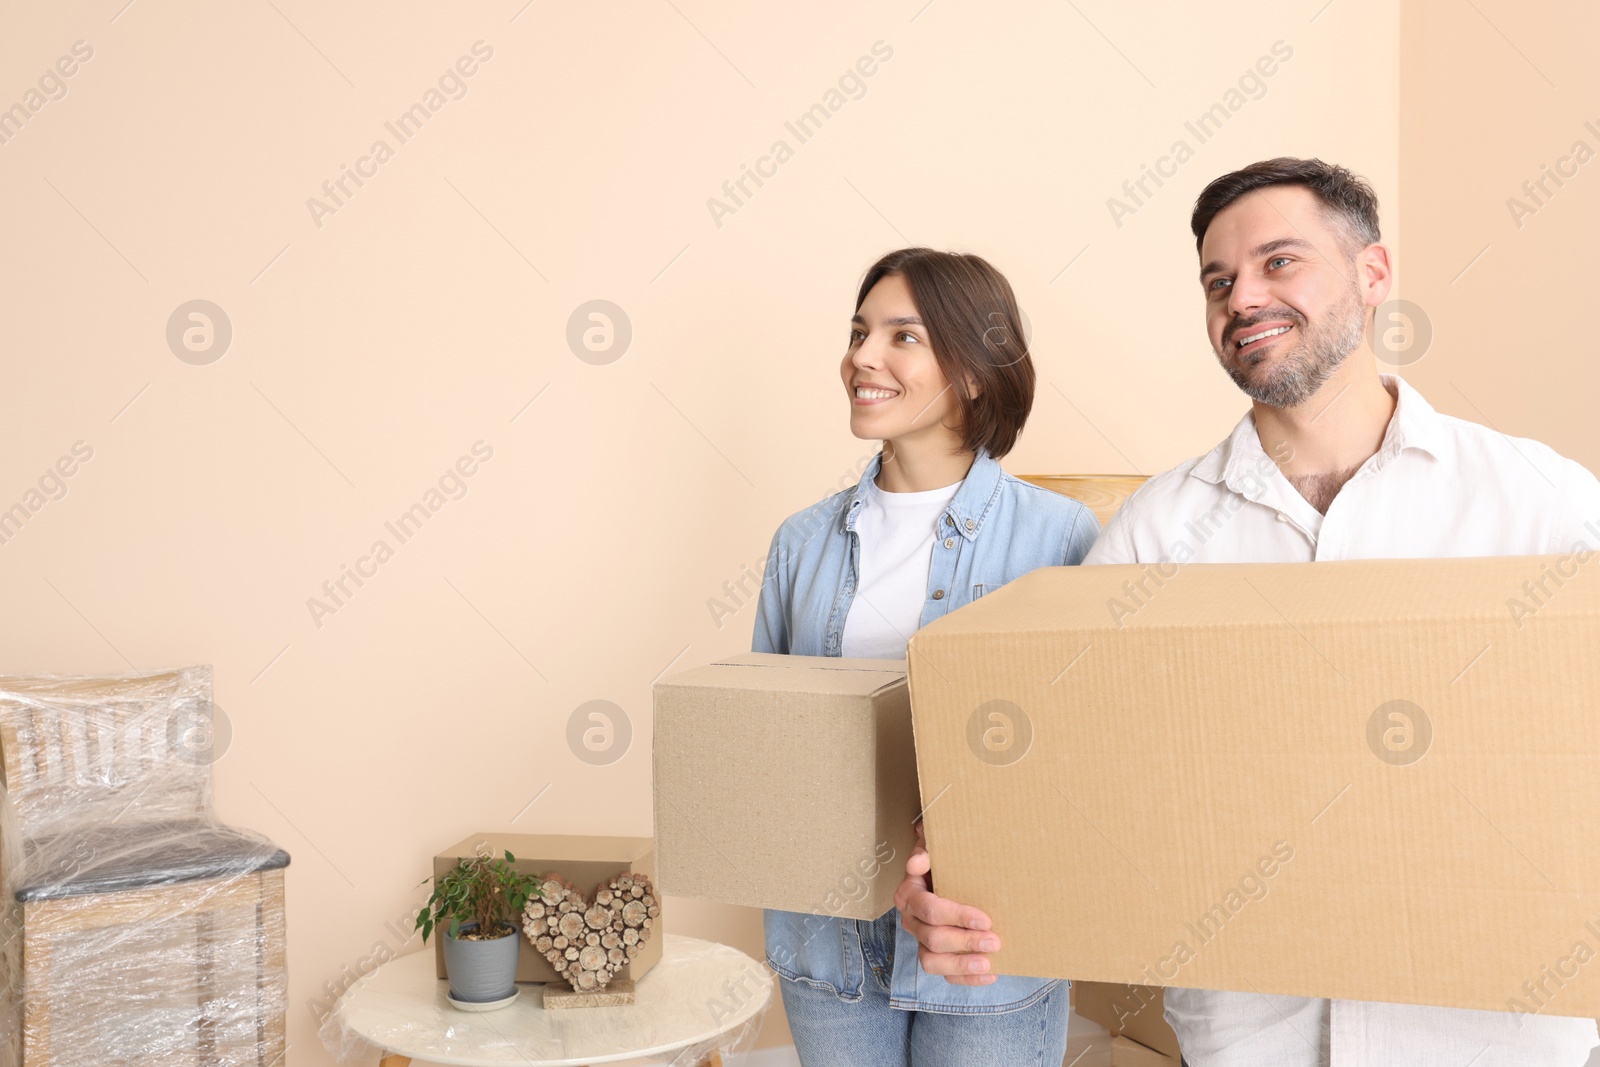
point(995, 529)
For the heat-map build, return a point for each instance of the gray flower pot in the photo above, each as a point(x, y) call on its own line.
point(481, 971)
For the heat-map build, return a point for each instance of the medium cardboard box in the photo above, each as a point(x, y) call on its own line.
point(1370, 779)
point(786, 782)
point(583, 861)
point(1133, 1011)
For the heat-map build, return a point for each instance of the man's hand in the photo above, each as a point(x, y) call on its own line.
point(953, 937)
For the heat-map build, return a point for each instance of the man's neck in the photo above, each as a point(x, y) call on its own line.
point(1321, 443)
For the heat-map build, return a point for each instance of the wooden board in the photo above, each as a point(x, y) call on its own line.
point(1104, 493)
point(564, 996)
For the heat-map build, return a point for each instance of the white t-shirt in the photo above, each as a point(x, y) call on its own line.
point(896, 531)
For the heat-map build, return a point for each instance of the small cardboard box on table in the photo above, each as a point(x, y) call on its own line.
point(1373, 780)
point(583, 861)
point(786, 782)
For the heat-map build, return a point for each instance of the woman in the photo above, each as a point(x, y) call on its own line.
point(937, 369)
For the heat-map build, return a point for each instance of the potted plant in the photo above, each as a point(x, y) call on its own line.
point(477, 903)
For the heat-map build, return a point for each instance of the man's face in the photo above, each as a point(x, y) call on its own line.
point(1283, 294)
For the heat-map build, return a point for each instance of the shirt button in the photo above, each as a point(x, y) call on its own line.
point(971, 525)
point(1282, 517)
point(949, 542)
point(938, 594)
point(948, 521)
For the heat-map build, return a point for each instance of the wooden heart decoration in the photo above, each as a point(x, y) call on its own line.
point(588, 943)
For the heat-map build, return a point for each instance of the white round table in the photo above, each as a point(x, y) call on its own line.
point(698, 998)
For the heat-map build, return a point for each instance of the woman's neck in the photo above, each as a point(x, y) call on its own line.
point(915, 467)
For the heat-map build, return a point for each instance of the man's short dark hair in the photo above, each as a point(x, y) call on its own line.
point(1348, 202)
point(975, 327)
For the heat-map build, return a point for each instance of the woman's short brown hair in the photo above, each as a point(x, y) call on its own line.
point(975, 327)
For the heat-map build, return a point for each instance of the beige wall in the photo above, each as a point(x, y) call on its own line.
point(1490, 98)
point(371, 351)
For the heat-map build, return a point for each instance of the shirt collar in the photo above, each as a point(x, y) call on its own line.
point(966, 509)
point(1240, 461)
point(1415, 424)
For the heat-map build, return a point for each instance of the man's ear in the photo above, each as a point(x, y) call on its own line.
point(1376, 274)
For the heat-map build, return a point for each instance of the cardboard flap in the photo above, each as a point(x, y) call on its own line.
point(829, 675)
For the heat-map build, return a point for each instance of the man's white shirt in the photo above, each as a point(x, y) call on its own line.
point(1438, 486)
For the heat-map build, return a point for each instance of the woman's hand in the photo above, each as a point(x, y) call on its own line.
point(953, 937)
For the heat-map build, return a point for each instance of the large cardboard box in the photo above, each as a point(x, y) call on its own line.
point(583, 861)
point(1375, 780)
point(786, 782)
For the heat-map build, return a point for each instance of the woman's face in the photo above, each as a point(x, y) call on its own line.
point(896, 388)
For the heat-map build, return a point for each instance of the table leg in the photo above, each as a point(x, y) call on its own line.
point(392, 1059)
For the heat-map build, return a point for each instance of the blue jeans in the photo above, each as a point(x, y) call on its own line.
point(832, 1032)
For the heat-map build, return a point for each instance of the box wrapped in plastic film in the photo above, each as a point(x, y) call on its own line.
point(134, 927)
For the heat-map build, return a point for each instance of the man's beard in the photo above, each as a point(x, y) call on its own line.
point(1310, 363)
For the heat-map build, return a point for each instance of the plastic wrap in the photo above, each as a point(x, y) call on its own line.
point(701, 998)
point(137, 929)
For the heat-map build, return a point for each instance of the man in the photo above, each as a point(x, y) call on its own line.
point(1334, 461)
